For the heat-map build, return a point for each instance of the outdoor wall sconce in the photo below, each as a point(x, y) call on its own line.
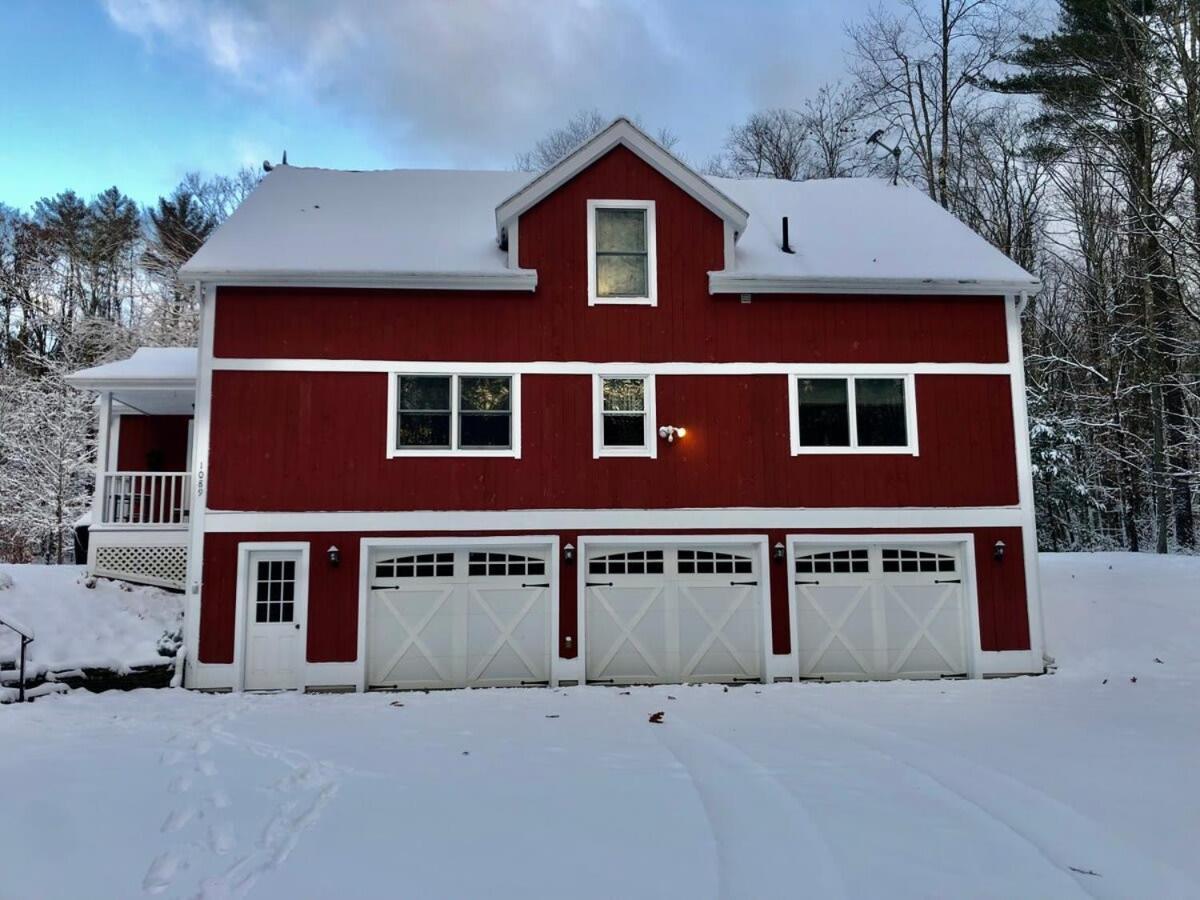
point(569, 555)
point(998, 551)
point(778, 552)
point(670, 432)
point(335, 556)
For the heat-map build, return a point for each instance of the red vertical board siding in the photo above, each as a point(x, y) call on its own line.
point(554, 322)
point(153, 443)
point(310, 441)
point(333, 593)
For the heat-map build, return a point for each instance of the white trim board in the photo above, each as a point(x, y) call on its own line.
point(608, 368)
point(509, 280)
point(731, 282)
point(764, 518)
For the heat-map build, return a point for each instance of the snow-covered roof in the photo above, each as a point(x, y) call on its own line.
point(855, 234)
point(436, 229)
point(156, 367)
point(323, 226)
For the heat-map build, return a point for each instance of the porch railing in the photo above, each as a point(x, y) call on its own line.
point(160, 499)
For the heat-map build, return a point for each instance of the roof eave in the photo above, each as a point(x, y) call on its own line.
point(749, 283)
point(625, 133)
point(85, 382)
point(512, 280)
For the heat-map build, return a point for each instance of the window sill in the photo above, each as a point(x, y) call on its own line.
point(855, 451)
point(624, 453)
point(622, 301)
point(506, 453)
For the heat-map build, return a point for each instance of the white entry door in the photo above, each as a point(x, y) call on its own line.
point(880, 611)
point(276, 601)
point(659, 614)
point(459, 617)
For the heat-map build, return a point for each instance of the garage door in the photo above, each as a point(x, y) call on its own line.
point(880, 611)
point(661, 614)
point(458, 617)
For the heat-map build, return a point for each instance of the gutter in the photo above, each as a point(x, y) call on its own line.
point(724, 282)
point(514, 280)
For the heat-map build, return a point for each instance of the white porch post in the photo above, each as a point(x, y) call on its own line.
point(102, 449)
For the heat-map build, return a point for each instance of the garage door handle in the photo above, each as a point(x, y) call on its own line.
point(947, 581)
point(743, 582)
point(597, 584)
point(537, 584)
point(806, 582)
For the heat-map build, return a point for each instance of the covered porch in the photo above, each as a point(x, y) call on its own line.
point(137, 529)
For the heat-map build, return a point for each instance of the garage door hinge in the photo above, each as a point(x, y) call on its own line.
point(947, 581)
point(536, 584)
point(806, 582)
point(597, 584)
point(743, 582)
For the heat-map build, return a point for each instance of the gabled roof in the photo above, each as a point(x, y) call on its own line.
point(624, 133)
point(149, 367)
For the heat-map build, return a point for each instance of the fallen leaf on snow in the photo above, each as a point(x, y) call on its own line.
point(656, 718)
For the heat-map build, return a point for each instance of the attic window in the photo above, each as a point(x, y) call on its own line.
point(621, 252)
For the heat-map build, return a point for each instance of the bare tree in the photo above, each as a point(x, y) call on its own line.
point(561, 141)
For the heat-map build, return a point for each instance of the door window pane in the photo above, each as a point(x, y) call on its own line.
point(880, 412)
point(823, 412)
point(275, 591)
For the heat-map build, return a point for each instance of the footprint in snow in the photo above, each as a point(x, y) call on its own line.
point(179, 818)
point(162, 872)
point(180, 785)
point(220, 838)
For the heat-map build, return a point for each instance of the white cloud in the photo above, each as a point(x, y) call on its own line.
point(472, 81)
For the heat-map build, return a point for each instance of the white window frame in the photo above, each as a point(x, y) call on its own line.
point(912, 448)
point(651, 299)
point(512, 452)
point(649, 446)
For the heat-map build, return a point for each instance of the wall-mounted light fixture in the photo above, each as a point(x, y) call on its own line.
point(998, 551)
point(335, 556)
point(778, 552)
point(569, 554)
point(670, 432)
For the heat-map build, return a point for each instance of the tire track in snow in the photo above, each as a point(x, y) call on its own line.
point(1064, 837)
point(751, 817)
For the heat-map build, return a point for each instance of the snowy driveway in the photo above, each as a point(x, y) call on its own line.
point(1035, 787)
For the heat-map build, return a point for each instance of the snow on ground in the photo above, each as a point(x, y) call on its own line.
point(1062, 786)
point(112, 625)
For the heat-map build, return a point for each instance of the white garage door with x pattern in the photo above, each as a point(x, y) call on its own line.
point(459, 617)
point(660, 614)
point(880, 611)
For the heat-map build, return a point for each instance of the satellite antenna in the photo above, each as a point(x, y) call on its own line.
point(876, 138)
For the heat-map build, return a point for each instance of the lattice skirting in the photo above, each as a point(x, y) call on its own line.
point(154, 565)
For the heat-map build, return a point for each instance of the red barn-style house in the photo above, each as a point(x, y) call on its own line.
point(616, 423)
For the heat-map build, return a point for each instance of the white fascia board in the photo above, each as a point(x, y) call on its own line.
point(625, 133)
point(508, 280)
point(130, 384)
point(757, 518)
point(748, 283)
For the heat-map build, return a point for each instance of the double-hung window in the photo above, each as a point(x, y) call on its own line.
point(853, 414)
point(623, 415)
point(467, 414)
point(621, 252)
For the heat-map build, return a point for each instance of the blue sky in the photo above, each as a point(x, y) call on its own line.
point(137, 92)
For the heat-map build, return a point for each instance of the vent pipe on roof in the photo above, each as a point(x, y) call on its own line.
point(785, 246)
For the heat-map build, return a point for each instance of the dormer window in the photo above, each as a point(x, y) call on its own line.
point(621, 243)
